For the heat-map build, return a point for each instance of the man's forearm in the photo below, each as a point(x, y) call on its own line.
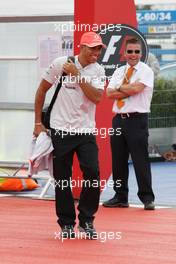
point(116, 94)
point(40, 99)
point(39, 102)
point(132, 88)
point(92, 93)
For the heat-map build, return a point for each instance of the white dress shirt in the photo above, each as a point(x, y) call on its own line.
point(141, 101)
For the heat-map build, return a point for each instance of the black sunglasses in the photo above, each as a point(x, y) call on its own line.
point(133, 51)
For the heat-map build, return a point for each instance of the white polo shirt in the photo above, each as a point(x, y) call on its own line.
point(72, 110)
point(139, 102)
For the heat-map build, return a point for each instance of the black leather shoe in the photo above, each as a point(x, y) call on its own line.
point(149, 206)
point(114, 202)
point(67, 232)
point(88, 229)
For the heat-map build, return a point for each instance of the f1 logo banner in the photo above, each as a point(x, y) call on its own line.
point(115, 36)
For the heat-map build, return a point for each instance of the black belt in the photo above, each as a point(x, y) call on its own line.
point(130, 115)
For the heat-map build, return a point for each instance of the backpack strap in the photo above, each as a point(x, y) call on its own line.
point(59, 85)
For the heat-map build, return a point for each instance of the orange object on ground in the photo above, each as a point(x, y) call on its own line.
point(17, 184)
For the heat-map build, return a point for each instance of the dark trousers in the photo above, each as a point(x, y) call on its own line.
point(87, 152)
point(132, 140)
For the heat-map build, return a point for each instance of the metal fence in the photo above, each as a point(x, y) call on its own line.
point(163, 109)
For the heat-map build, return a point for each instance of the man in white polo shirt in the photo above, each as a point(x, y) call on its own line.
point(132, 87)
point(72, 125)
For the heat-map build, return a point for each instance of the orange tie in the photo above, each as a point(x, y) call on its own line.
point(121, 102)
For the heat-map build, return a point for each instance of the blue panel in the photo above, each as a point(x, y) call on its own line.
point(156, 16)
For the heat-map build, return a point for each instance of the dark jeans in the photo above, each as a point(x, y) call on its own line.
point(87, 152)
point(133, 140)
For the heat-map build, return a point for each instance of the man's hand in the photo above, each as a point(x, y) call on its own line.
point(70, 69)
point(38, 128)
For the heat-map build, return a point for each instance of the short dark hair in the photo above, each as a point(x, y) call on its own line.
point(134, 41)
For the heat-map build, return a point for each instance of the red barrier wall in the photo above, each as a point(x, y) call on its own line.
point(99, 12)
